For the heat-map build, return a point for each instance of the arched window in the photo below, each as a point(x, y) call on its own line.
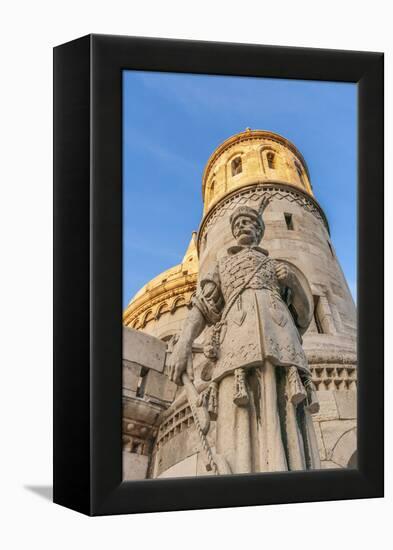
point(162, 308)
point(288, 220)
point(271, 161)
point(300, 173)
point(236, 166)
point(178, 302)
point(147, 317)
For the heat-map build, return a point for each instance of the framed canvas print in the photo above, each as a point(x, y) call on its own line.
point(218, 275)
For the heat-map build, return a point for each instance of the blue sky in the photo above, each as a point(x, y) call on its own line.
point(172, 123)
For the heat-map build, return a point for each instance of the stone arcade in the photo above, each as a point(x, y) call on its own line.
point(171, 430)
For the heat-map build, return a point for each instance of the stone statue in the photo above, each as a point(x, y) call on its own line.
point(260, 392)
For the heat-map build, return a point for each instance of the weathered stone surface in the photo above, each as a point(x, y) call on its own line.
point(131, 374)
point(185, 468)
point(143, 349)
point(346, 403)
point(345, 448)
point(329, 465)
point(130, 394)
point(185, 444)
point(142, 411)
point(321, 446)
point(134, 466)
point(328, 407)
point(332, 431)
point(159, 386)
point(274, 217)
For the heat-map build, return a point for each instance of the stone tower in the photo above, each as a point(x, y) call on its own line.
point(159, 435)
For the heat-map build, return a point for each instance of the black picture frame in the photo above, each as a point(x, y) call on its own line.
point(88, 274)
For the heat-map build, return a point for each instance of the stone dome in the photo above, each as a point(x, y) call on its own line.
point(158, 303)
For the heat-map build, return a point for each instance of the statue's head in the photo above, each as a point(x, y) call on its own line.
point(247, 223)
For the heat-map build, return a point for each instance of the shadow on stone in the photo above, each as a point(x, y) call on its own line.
point(44, 491)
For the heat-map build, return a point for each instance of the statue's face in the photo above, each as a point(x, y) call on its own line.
point(246, 231)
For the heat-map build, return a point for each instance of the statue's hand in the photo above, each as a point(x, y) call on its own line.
point(282, 272)
point(181, 361)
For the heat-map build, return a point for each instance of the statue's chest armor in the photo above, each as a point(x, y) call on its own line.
point(246, 269)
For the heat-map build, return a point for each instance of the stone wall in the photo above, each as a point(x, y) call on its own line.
point(159, 436)
point(147, 392)
point(335, 427)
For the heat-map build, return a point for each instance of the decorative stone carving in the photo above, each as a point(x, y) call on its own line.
point(256, 192)
point(332, 377)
